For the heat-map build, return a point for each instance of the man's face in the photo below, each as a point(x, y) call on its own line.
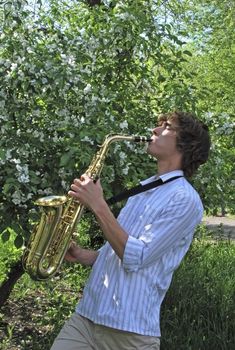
point(163, 145)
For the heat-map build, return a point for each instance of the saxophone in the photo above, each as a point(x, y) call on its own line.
point(51, 237)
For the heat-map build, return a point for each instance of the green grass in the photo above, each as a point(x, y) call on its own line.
point(8, 254)
point(197, 314)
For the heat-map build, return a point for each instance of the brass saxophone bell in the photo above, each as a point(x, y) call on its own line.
point(51, 201)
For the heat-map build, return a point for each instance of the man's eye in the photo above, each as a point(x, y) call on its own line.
point(162, 124)
point(166, 126)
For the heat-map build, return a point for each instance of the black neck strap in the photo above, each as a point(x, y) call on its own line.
point(139, 189)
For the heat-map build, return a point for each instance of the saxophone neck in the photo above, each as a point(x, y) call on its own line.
point(97, 163)
point(112, 138)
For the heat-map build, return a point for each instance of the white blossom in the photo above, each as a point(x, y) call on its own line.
point(7, 63)
point(48, 190)
point(116, 148)
point(55, 138)
point(86, 71)
point(130, 145)
point(3, 129)
point(64, 184)
point(125, 170)
point(8, 154)
point(4, 117)
point(124, 16)
point(107, 2)
point(13, 66)
point(124, 124)
point(82, 120)
point(82, 31)
point(16, 197)
point(94, 99)
point(23, 171)
point(122, 155)
point(87, 89)
point(87, 139)
point(38, 134)
point(23, 178)
point(16, 161)
point(144, 36)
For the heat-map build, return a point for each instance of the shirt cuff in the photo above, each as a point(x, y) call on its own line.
point(132, 254)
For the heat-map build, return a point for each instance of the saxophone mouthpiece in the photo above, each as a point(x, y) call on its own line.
point(142, 139)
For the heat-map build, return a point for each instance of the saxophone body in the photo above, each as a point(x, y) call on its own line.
point(51, 237)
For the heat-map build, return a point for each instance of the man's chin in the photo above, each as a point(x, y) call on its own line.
point(150, 153)
point(148, 149)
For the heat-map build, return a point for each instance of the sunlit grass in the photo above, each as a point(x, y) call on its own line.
point(8, 254)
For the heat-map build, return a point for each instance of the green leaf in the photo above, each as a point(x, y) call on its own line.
point(18, 242)
point(161, 79)
point(15, 228)
point(10, 182)
point(5, 235)
point(186, 52)
point(2, 154)
point(65, 158)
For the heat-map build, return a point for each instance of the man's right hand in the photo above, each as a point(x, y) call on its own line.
point(72, 254)
point(83, 256)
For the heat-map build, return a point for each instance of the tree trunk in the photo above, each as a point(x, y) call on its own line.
point(15, 273)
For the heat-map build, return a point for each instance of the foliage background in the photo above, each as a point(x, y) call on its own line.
point(73, 73)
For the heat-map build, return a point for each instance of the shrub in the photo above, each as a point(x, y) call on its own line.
point(198, 312)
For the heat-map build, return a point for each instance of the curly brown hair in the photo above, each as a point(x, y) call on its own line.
point(193, 140)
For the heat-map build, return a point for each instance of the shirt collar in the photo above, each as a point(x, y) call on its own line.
point(164, 177)
point(173, 173)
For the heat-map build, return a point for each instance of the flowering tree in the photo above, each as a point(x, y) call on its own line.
point(71, 74)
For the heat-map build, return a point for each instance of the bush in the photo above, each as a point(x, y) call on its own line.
point(72, 74)
point(198, 312)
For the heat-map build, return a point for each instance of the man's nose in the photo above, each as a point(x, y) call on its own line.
point(157, 131)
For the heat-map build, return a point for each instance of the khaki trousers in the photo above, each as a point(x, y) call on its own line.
point(79, 333)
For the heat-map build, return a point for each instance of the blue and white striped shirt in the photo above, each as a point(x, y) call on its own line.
point(127, 294)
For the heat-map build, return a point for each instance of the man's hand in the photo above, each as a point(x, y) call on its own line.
point(83, 256)
point(72, 254)
point(88, 192)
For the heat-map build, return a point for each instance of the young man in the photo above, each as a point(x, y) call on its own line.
point(120, 307)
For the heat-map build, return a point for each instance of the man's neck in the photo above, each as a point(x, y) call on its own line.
point(167, 166)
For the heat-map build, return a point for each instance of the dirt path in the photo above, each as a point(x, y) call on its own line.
point(227, 224)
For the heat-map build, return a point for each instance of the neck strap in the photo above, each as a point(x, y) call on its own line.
point(139, 189)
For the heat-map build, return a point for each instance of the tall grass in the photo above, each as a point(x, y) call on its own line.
point(199, 310)
point(197, 314)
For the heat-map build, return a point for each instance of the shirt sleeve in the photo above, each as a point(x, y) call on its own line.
point(177, 220)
